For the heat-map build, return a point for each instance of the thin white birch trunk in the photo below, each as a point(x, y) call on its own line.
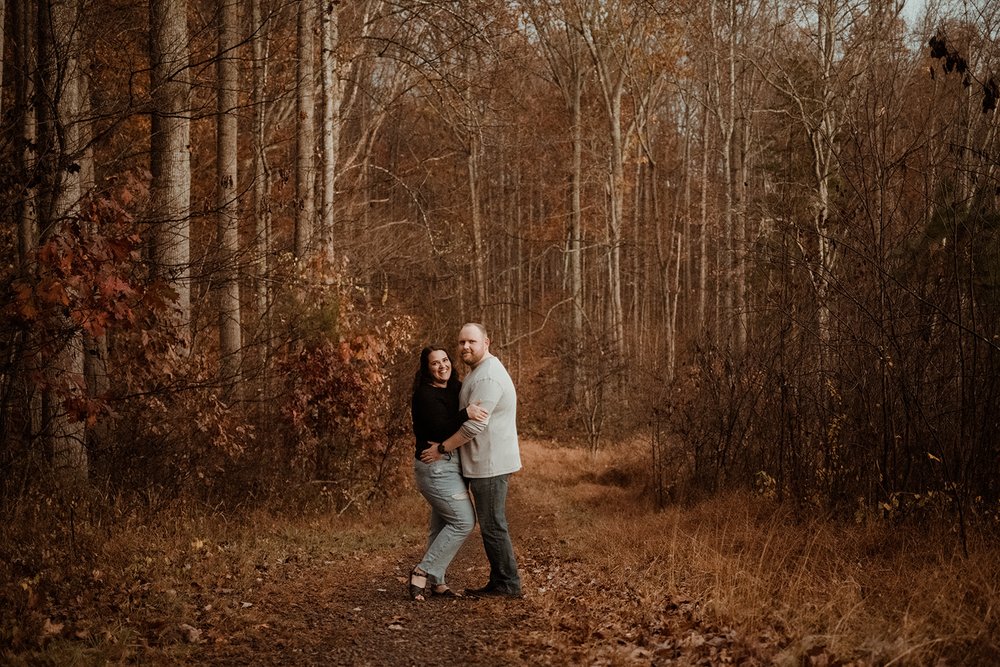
point(227, 204)
point(170, 158)
point(305, 170)
point(332, 99)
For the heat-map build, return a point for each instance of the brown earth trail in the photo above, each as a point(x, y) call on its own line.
point(352, 608)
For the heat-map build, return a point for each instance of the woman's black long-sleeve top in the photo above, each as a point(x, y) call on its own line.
point(435, 413)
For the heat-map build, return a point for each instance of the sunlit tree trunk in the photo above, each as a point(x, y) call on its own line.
point(305, 170)
point(227, 204)
point(170, 157)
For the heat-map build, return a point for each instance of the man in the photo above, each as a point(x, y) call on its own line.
point(490, 454)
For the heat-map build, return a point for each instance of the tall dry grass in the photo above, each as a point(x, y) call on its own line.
point(795, 589)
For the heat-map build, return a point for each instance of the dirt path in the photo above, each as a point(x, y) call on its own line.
point(357, 613)
point(354, 610)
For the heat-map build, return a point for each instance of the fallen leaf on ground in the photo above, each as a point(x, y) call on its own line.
point(50, 628)
point(191, 634)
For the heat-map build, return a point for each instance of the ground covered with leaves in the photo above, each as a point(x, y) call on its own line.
point(608, 580)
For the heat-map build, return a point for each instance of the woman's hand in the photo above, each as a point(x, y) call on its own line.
point(476, 413)
point(430, 455)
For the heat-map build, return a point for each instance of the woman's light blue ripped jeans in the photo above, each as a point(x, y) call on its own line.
point(452, 515)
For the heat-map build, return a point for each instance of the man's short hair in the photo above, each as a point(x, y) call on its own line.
point(479, 326)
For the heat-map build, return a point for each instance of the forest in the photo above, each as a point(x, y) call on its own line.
point(746, 251)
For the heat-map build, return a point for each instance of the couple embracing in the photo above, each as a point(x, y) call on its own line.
point(466, 442)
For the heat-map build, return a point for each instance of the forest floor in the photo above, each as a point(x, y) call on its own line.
point(608, 580)
point(354, 608)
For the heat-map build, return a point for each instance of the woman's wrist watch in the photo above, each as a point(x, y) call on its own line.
point(441, 449)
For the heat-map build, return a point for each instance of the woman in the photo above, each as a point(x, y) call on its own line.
point(435, 417)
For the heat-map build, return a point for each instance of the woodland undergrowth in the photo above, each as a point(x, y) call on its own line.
point(114, 584)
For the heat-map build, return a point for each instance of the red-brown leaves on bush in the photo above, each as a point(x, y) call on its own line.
point(86, 269)
point(337, 381)
point(86, 277)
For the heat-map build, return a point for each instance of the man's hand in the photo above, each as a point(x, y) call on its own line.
point(430, 455)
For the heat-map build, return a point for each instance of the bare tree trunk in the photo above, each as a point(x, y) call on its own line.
point(227, 204)
point(612, 83)
point(640, 220)
point(687, 256)
point(575, 248)
point(822, 145)
point(24, 54)
point(59, 44)
point(479, 256)
point(3, 33)
point(305, 131)
point(617, 185)
point(170, 158)
point(261, 209)
point(95, 361)
point(737, 181)
point(332, 98)
point(672, 314)
point(727, 122)
point(740, 287)
point(703, 233)
point(23, 51)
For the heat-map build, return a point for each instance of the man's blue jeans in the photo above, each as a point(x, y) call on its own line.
point(490, 494)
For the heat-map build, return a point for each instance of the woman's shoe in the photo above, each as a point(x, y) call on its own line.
point(418, 582)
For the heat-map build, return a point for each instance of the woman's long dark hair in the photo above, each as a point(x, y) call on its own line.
point(424, 376)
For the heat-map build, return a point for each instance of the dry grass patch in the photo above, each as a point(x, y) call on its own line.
point(791, 590)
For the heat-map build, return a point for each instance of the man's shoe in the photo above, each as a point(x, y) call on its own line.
point(485, 590)
point(492, 591)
